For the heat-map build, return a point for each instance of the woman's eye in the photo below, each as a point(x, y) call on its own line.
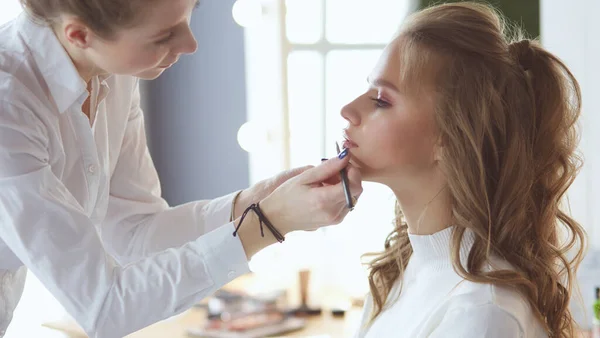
point(165, 39)
point(380, 103)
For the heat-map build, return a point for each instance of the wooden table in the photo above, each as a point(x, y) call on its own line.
point(324, 326)
point(176, 327)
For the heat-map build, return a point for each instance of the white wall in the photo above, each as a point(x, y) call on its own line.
point(570, 30)
point(9, 9)
point(194, 110)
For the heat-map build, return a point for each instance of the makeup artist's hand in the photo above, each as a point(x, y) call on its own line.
point(312, 199)
point(264, 188)
point(301, 199)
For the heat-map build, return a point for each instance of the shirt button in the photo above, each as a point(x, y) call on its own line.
point(92, 169)
point(231, 274)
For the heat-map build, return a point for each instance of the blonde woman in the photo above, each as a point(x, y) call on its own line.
point(474, 132)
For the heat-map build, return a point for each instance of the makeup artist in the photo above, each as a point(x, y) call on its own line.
point(80, 200)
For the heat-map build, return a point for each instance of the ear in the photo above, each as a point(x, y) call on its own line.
point(77, 33)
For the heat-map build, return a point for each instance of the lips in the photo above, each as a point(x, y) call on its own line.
point(348, 143)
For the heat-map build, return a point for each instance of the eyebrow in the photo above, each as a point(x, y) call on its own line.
point(383, 83)
point(197, 4)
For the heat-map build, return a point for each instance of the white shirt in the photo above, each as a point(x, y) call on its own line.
point(80, 205)
point(436, 302)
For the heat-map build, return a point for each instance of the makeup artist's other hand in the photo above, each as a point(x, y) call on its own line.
point(305, 202)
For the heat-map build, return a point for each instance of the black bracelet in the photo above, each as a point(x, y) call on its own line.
point(262, 219)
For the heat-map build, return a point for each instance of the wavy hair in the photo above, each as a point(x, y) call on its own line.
point(506, 110)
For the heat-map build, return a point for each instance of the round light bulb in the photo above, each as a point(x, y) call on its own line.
point(247, 13)
point(252, 137)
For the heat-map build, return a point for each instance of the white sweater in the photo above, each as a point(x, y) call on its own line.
point(436, 302)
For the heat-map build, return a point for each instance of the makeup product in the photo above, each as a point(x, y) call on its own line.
point(304, 310)
point(344, 175)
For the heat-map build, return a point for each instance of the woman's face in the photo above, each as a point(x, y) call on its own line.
point(153, 45)
point(391, 131)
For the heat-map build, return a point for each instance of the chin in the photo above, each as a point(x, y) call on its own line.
point(150, 74)
point(367, 173)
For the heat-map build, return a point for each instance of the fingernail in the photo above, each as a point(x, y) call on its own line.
point(324, 159)
point(343, 153)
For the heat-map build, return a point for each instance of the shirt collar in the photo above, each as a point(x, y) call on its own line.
point(56, 67)
point(438, 246)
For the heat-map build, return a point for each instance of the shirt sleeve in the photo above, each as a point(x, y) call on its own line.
point(46, 228)
point(487, 320)
point(138, 221)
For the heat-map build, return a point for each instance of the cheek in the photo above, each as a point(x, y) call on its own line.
point(136, 62)
point(132, 60)
point(399, 145)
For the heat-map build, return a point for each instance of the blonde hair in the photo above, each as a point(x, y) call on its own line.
point(506, 110)
point(104, 17)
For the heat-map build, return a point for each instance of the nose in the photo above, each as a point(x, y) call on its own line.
point(350, 113)
point(188, 45)
point(191, 45)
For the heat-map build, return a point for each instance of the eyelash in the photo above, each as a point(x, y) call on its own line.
point(380, 103)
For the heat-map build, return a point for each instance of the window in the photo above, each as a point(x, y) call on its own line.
point(325, 50)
